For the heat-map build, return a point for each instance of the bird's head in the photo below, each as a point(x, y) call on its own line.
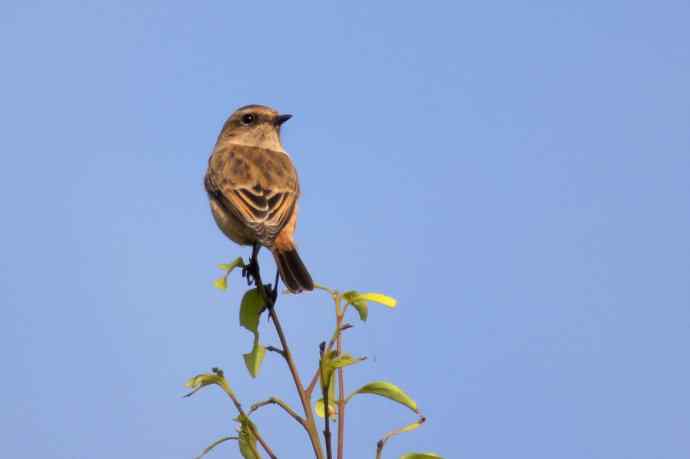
point(255, 126)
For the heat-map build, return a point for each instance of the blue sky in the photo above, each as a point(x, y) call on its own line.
point(515, 173)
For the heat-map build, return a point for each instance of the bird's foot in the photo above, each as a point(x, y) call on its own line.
point(250, 271)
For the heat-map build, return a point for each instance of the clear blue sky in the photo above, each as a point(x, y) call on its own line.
point(515, 173)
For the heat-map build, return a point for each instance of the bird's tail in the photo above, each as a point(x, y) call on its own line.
point(292, 269)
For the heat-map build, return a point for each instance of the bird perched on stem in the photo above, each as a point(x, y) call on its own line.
point(253, 189)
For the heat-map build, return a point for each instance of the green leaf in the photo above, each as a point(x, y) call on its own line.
point(330, 361)
point(326, 369)
point(360, 305)
point(420, 456)
point(253, 359)
point(247, 448)
point(247, 441)
point(411, 427)
point(214, 444)
point(320, 408)
point(388, 390)
point(236, 263)
point(205, 379)
point(350, 296)
point(221, 283)
point(344, 360)
point(199, 381)
point(362, 308)
point(250, 310)
point(407, 428)
point(378, 298)
point(360, 301)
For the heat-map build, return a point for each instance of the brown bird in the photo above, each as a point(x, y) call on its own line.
point(253, 190)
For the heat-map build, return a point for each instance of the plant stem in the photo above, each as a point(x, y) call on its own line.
point(381, 443)
point(315, 378)
point(327, 414)
point(341, 382)
point(283, 405)
point(327, 436)
point(306, 404)
point(258, 436)
point(312, 383)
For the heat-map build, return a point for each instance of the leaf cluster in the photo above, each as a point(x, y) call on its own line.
point(329, 374)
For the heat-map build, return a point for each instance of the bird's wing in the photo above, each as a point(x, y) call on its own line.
point(258, 186)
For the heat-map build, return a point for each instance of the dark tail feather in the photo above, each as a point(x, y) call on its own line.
point(292, 270)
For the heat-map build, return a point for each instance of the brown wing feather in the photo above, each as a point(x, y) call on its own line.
point(258, 186)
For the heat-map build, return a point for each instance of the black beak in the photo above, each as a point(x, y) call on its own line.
point(280, 119)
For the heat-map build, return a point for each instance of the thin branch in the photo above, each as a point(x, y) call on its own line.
point(283, 405)
point(379, 448)
point(324, 288)
point(275, 349)
point(341, 381)
point(214, 444)
point(315, 378)
point(306, 404)
point(327, 410)
point(381, 443)
point(312, 383)
point(240, 410)
point(268, 450)
point(341, 413)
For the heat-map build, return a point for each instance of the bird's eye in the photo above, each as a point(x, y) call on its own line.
point(248, 118)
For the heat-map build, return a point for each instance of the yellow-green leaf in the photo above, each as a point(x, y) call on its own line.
point(320, 408)
point(360, 301)
point(247, 440)
point(344, 360)
point(221, 283)
point(413, 426)
point(350, 296)
point(378, 298)
point(388, 390)
point(253, 359)
point(330, 361)
point(362, 308)
point(205, 379)
point(250, 310)
point(325, 371)
point(360, 305)
point(420, 456)
point(214, 444)
point(202, 380)
point(392, 434)
point(236, 263)
point(247, 448)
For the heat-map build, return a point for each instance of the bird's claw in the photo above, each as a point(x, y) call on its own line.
point(250, 270)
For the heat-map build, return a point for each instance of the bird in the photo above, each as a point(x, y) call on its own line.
point(253, 189)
